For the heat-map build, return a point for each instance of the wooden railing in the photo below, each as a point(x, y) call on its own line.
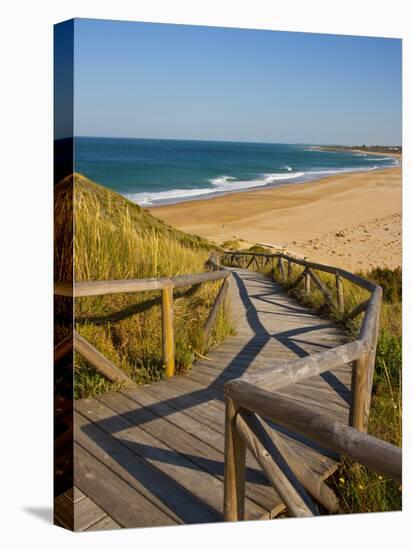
point(251, 398)
point(166, 286)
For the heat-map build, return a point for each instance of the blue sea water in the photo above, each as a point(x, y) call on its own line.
point(157, 171)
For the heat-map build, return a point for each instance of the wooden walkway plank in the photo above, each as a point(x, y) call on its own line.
point(120, 501)
point(211, 416)
point(105, 524)
point(136, 472)
point(207, 488)
point(197, 450)
point(160, 448)
point(205, 446)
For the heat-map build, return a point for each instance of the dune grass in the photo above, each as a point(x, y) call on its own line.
point(116, 239)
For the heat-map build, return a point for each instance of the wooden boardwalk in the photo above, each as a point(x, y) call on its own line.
point(155, 455)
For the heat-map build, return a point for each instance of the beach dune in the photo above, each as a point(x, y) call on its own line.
point(354, 217)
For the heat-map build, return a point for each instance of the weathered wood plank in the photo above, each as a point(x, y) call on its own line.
point(105, 524)
point(127, 507)
point(206, 487)
point(186, 444)
point(74, 495)
point(141, 476)
point(76, 513)
point(173, 430)
point(209, 411)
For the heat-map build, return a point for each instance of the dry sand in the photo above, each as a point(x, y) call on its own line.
point(350, 220)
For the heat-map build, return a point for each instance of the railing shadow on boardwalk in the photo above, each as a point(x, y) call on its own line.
point(242, 361)
point(137, 413)
point(246, 355)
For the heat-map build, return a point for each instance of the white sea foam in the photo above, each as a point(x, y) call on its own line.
point(221, 180)
point(286, 167)
point(147, 199)
point(340, 171)
point(269, 178)
point(224, 184)
point(221, 184)
point(379, 158)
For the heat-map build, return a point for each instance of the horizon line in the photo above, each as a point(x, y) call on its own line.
point(235, 141)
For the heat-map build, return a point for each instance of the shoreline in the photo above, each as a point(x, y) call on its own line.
point(340, 214)
point(216, 194)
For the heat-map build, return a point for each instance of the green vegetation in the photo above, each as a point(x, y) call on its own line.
point(384, 149)
point(360, 489)
point(234, 244)
point(116, 239)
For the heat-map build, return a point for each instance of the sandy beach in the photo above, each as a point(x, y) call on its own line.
point(352, 220)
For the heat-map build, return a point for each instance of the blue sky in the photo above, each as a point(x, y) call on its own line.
point(187, 82)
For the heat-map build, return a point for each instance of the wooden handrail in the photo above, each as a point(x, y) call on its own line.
point(297, 370)
point(166, 285)
point(244, 402)
point(356, 279)
point(100, 288)
point(253, 393)
point(336, 436)
point(364, 348)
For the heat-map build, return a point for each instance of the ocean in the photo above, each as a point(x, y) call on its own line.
point(151, 172)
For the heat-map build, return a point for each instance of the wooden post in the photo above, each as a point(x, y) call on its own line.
point(235, 467)
point(281, 270)
point(289, 269)
point(220, 298)
point(358, 414)
point(307, 283)
point(339, 293)
point(273, 464)
point(323, 288)
point(371, 364)
point(167, 331)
